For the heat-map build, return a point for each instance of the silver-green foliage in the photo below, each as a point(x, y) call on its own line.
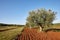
point(41, 17)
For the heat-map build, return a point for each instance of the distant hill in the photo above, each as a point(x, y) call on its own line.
point(54, 27)
point(3, 24)
point(57, 24)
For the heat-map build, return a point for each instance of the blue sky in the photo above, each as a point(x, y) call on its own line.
point(16, 11)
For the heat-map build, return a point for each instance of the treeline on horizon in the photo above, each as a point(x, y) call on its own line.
point(3, 24)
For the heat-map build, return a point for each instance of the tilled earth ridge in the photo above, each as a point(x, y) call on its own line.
point(32, 34)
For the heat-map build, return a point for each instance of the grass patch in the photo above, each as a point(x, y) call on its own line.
point(10, 34)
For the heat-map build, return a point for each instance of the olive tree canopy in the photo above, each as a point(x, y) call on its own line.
point(41, 17)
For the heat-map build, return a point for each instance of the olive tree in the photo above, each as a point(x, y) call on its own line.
point(41, 17)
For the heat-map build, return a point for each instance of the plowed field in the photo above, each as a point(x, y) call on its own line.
point(32, 34)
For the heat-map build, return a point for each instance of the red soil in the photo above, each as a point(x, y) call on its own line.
point(32, 34)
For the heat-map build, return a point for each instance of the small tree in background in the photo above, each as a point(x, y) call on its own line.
point(41, 17)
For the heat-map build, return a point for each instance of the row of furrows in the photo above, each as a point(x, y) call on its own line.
point(32, 34)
